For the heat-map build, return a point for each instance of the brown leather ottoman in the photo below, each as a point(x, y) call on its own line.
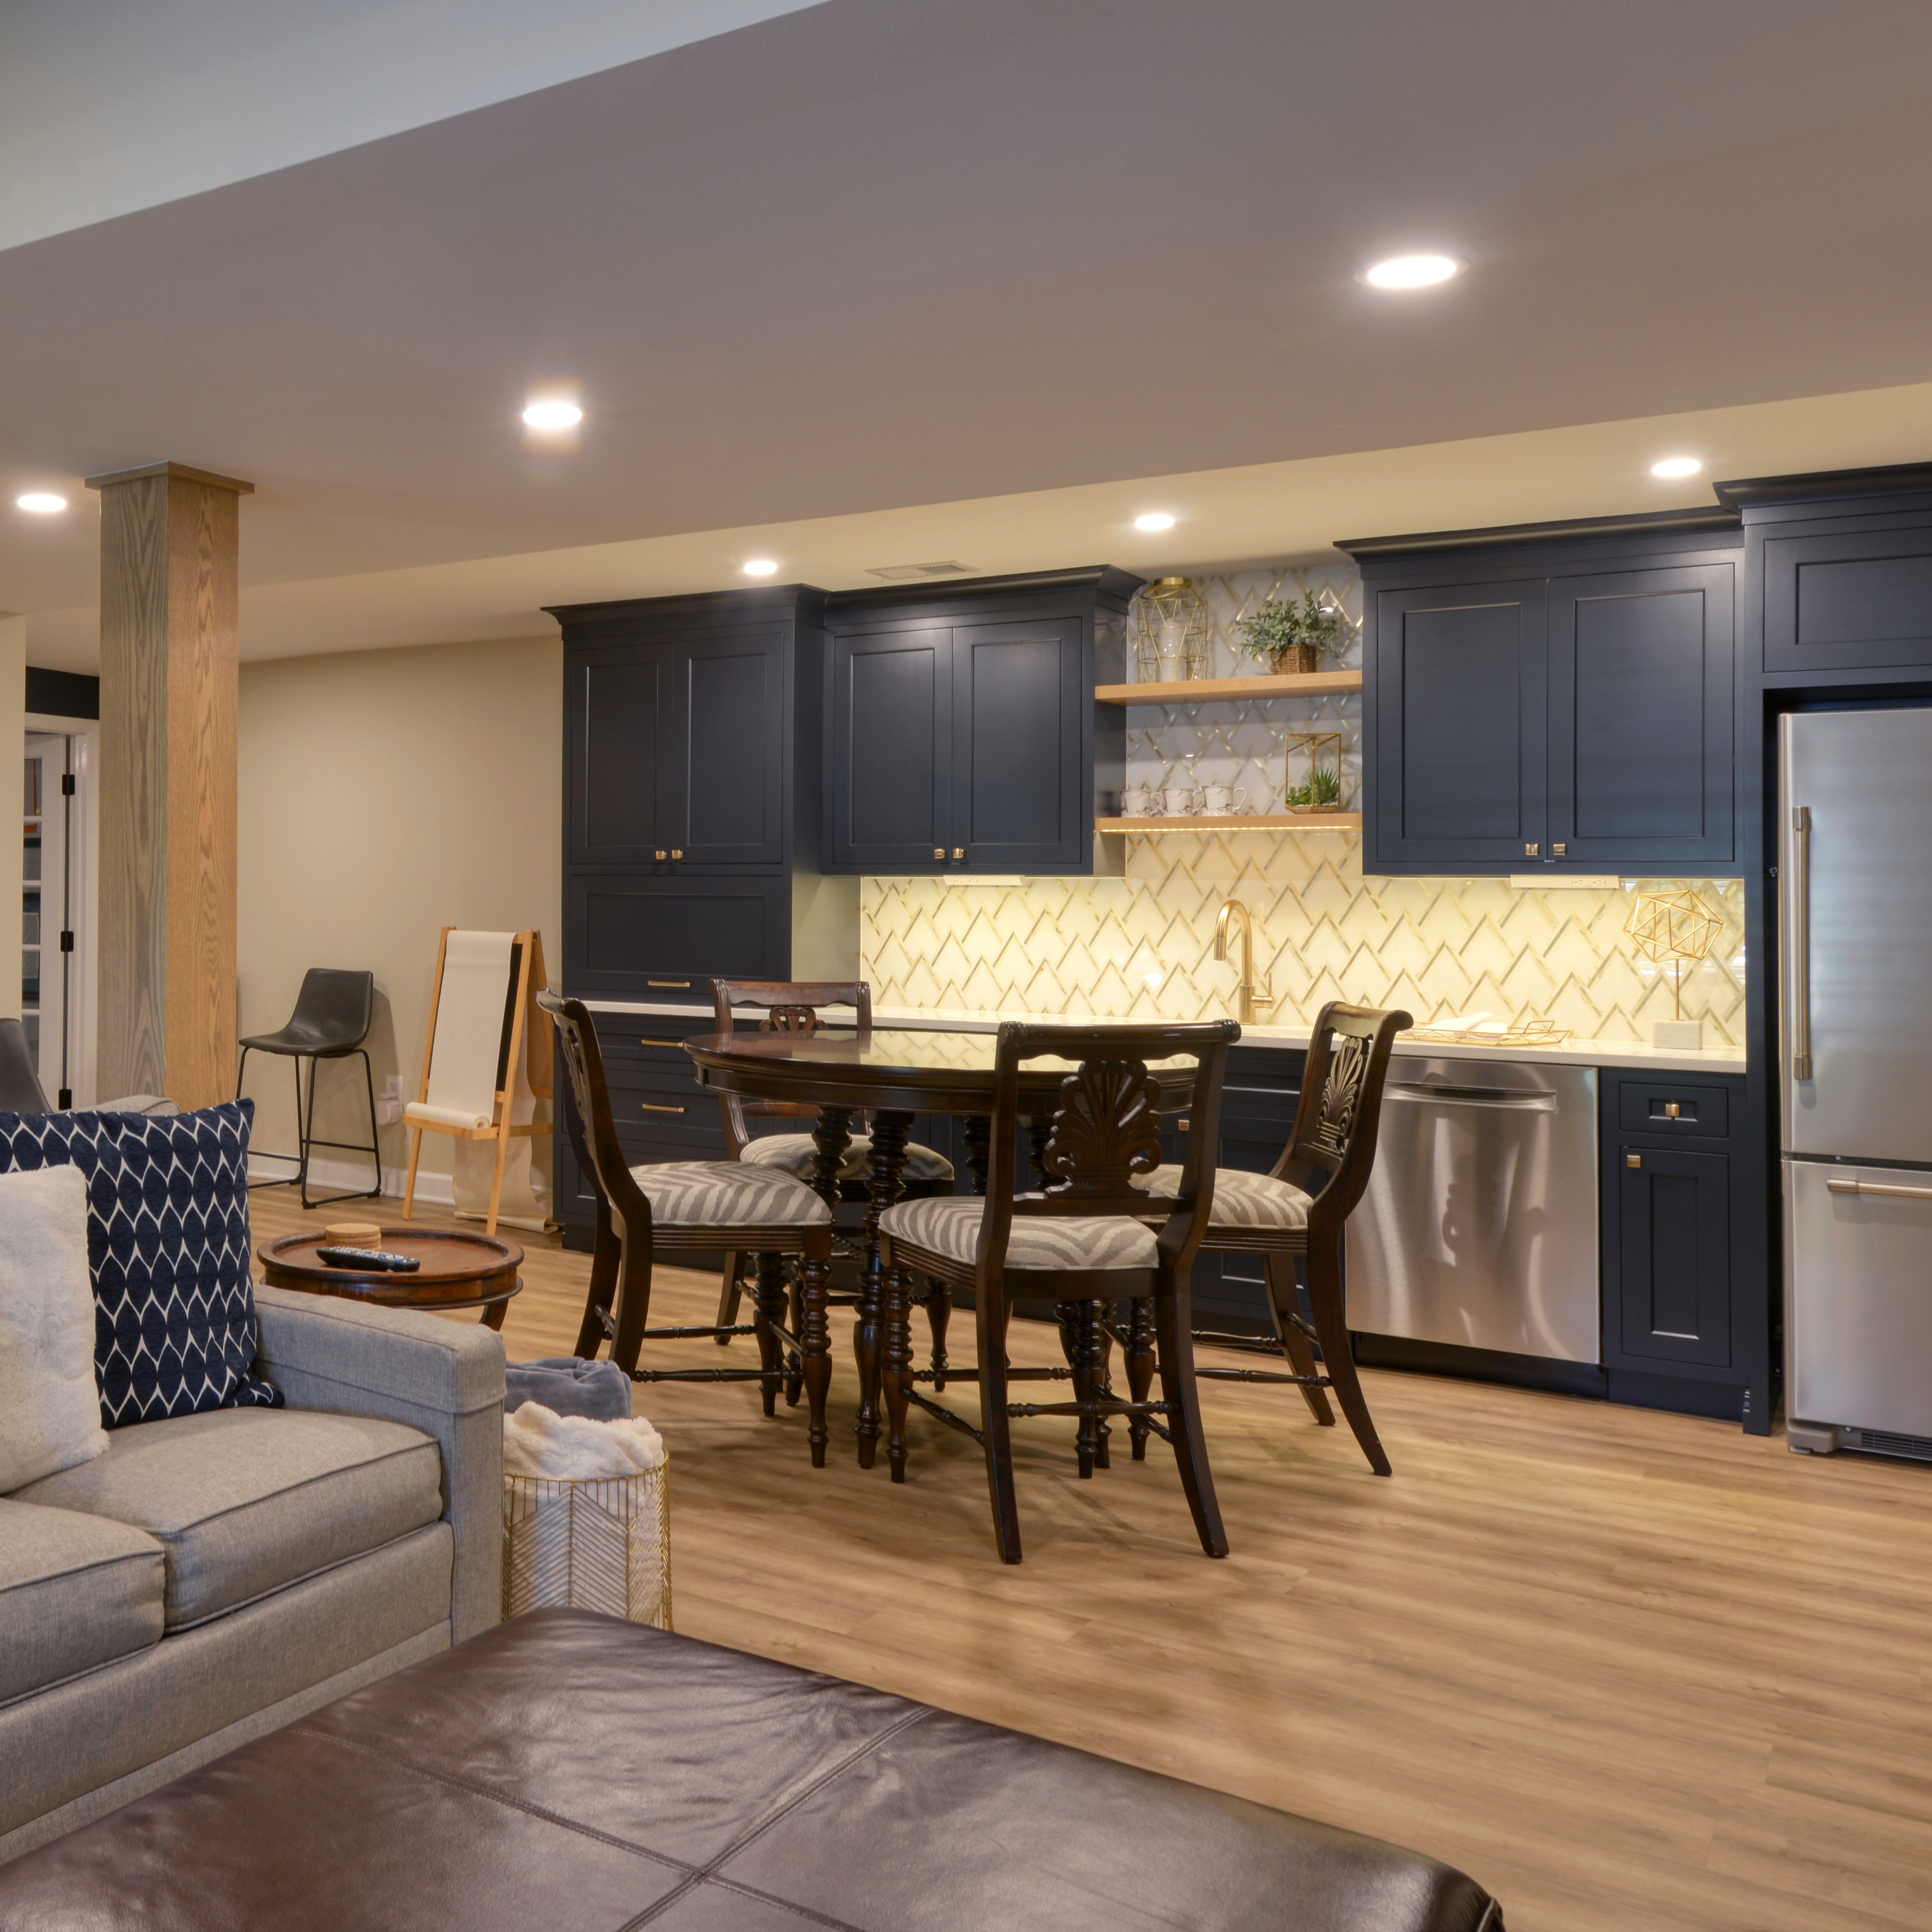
point(568, 1773)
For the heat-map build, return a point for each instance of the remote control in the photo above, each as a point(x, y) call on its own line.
point(382, 1260)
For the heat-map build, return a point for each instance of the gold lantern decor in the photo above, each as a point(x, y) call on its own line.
point(1311, 772)
point(1171, 627)
point(1674, 927)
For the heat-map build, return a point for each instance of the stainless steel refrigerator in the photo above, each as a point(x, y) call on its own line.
point(1855, 877)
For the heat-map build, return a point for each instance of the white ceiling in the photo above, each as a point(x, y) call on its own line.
point(991, 258)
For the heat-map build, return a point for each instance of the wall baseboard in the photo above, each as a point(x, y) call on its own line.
point(333, 1177)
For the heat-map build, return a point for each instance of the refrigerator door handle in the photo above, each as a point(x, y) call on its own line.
point(1800, 887)
point(1891, 1193)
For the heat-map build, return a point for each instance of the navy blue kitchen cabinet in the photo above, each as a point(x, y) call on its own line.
point(694, 789)
point(1561, 701)
point(1682, 1291)
point(963, 733)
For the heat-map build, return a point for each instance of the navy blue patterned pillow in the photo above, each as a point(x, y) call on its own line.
point(168, 1247)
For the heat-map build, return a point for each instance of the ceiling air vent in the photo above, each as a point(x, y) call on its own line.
point(917, 573)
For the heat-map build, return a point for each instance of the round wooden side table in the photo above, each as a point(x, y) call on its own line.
point(459, 1271)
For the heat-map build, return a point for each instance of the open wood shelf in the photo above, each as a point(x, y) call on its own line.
point(1247, 821)
point(1200, 690)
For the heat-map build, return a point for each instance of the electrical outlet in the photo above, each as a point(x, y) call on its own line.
point(389, 1101)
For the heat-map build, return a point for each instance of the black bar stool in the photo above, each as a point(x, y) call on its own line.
point(331, 1021)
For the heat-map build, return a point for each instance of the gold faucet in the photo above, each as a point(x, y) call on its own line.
point(1250, 999)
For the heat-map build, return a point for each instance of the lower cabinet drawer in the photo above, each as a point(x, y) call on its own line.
point(1671, 1106)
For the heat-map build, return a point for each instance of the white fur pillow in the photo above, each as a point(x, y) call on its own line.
point(49, 1403)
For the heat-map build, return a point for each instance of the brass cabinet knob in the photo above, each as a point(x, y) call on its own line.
point(958, 851)
point(1672, 1111)
point(677, 852)
point(1561, 850)
point(1532, 851)
point(939, 851)
point(662, 854)
point(1633, 1160)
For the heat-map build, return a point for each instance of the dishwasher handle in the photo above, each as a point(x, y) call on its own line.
point(1532, 1099)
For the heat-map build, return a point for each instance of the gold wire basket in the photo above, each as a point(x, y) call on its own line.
point(598, 1543)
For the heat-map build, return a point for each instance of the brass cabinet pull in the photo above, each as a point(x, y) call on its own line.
point(1672, 1111)
point(684, 983)
point(1633, 1160)
point(1561, 849)
point(958, 851)
point(660, 1042)
point(939, 851)
point(653, 1107)
point(1186, 1126)
point(662, 854)
point(1532, 851)
point(677, 852)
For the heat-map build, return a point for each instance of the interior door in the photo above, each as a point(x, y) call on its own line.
point(890, 784)
point(1855, 872)
point(1461, 720)
point(726, 762)
point(1019, 709)
point(618, 697)
point(1640, 719)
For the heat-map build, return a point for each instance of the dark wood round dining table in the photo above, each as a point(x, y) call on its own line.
point(890, 1073)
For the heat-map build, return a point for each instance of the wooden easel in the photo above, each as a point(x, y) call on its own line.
point(526, 974)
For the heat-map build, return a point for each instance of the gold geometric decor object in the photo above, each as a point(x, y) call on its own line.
point(1311, 778)
point(1171, 625)
point(1673, 926)
point(590, 1542)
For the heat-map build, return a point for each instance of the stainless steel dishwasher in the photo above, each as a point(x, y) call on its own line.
point(1479, 1227)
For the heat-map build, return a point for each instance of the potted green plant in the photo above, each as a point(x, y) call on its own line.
point(1290, 636)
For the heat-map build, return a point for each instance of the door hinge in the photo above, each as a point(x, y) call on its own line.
point(66, 942)
point(67, 785)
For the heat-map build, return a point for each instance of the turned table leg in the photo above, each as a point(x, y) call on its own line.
point(885, 1180)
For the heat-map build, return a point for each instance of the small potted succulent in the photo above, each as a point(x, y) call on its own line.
point(1290, 636)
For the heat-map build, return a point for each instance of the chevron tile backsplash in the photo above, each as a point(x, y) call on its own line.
point(1141, 945)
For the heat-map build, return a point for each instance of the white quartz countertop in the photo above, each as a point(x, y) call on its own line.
point(1572, 1053)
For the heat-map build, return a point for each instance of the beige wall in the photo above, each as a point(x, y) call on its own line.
point(384, 795)
point(13, 731)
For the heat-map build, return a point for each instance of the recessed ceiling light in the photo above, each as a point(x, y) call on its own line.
point(1676, 466)
point(759, 566)
point(42, 503)
point(1411, 272)
point(552, 412)
point(1154, 520)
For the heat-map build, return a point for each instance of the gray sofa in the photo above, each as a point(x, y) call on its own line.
point(211, 1578)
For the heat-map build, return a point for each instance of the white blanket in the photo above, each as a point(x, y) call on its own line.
point(538, 1442)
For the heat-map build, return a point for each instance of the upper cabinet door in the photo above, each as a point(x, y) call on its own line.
point(616, 700)
point(1855, 601)
point(1021, 710)
point(1641, 727)
point(725, 752)
point(1461, 705)
point(890, 800)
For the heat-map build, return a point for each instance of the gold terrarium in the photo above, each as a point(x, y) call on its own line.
point(1311, 772)
point(1171, 632)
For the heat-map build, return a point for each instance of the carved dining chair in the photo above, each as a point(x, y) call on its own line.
point(1084, 1238)
point(1298, 1212)
point(792, 1006)
point(693, 1207)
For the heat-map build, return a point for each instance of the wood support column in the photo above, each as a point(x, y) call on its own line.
point(169, 637)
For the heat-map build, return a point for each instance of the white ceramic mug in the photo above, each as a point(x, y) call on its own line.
point(1182, 801)
point(1139, 802)
point(1221, 800)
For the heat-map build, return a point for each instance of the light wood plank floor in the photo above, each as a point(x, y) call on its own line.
point(1631, 1670)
